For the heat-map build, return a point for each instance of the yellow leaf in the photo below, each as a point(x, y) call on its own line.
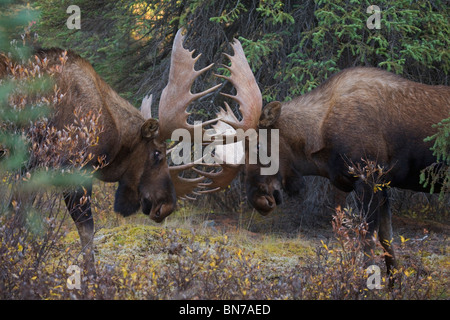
point(403, 240)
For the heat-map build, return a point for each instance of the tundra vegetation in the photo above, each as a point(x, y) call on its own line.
point(217, 247)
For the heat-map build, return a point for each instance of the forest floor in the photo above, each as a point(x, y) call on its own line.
point(201, 254)
point(209, 253)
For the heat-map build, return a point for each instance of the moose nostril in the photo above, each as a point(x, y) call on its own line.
point(270, 202)
point(146, 206)
point(277, 196)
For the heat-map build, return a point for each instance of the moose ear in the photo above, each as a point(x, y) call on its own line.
point(270, 114)
point(150, 129)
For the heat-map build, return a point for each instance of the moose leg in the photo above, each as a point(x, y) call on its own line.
point(78, 203)
point(385, 233)
point(377, 213)
point(369, 212)
point(339, 197)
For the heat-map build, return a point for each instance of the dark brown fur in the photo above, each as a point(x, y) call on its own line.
point(133, 153)
point(360, 113)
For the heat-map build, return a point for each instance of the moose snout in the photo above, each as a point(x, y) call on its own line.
point(266, 198)
point(161, 211)
point(157, 210)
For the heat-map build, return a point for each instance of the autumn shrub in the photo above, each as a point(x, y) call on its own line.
point(339, 270)
point(213, 271)
point(194, 269)
point(191, 267)
point(25, 249)
point(38, 162)
point(169, 263)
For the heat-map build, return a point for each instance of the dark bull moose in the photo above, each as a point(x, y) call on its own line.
point(132, 144)
point(359, 114)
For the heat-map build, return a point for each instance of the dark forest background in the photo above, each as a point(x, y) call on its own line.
point(292, 46)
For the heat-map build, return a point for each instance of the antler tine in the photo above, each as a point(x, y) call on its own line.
point(177, 95)
point(248, 95)
point(184, 186)
point(219, 180)
point(146, 107)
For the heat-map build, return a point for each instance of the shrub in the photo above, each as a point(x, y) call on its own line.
point(338, 271)
point(36, 158)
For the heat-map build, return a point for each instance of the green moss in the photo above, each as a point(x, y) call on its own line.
point(291, 247)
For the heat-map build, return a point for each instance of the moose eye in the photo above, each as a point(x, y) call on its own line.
point(157, 156)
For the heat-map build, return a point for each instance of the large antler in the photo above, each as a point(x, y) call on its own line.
point(174, 101)
point(176, 97)
point(248, 95)
point(249, 98)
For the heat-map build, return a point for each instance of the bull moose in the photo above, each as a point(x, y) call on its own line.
point(359, 114)
point(132, 145)
point(129, 145)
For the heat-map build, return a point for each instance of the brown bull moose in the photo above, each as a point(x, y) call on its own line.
point(132, 152)
point(357, 117)
point(132, 145)
point(360, 114)
point(129, 146)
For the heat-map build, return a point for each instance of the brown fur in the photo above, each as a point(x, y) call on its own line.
point(3, 65)
point(127, 151)
point(363, 112)
point(134, 155)
point(359, 113)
